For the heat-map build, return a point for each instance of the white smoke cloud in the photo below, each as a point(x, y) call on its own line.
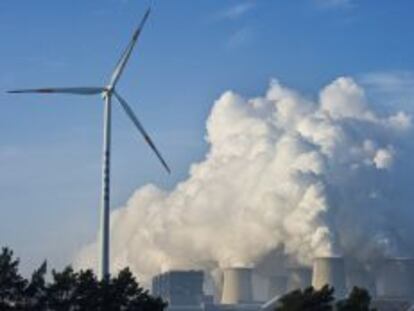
point(283, 172)
point(237, 11)
point(383, 158)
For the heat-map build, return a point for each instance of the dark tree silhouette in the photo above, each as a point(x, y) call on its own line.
point(12, 284)
point(88, 291)
point(70, 290)
point(61, 292)
point(35, 293)
point(323, 300)
point(308, 299)
point(123, 293)
point(358, 300)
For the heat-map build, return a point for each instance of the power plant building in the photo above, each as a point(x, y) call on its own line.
point(396, 278)
point(277, 286)
point(184, 290)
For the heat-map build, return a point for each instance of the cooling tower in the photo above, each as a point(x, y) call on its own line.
point(277, 286)
point(331, 271)
point(299, 278)
point(396, 278)
point(237, 286)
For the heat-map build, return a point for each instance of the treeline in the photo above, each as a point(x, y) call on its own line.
point(70, 291)
point(324, 300)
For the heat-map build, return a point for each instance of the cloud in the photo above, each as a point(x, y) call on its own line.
point(236, 12)
point(393, 81)
point(390, 87)
point(243, 33)
point(344, 98)
point(384, 158)
point(330, 4)
point(240, 37)
point(311, 177)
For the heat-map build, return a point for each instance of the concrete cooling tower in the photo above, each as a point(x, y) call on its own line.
point(237, 286)
point(331, 271)
point(396, 278)
point(299, 278)
point(277, 286)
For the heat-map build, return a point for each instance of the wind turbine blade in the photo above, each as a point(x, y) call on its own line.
point(141, 129)
point(63, 90)
point(127, 53)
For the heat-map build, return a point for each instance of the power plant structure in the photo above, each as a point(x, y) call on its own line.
point(362, 277)
point(277, 285)
point(186, 290)
point(330, 270)
point(396, 278)
point(179, 288)
point(237, 286)
point(298, 278)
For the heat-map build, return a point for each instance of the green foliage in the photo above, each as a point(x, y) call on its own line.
point(308, 299)
point(12, 284)
point(358, 300)
point(35, 292)
point(323, 300)
point(88, 291)
point(61, 292)
point(70, 290)
point(123, 293)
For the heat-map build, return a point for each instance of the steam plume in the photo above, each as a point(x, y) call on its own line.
point(315, 177)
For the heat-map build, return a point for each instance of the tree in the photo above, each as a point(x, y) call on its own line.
point(323, 300)
point(12, 284)
point(123, 293)
point(308, 300)
point(358, 300)
point(70, 290)
point(35, 293)
point(88, 292)
point(61, 292)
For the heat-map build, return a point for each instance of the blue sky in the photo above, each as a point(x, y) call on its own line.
point(190, 52)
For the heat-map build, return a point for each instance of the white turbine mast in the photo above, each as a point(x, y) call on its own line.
point(107, 93)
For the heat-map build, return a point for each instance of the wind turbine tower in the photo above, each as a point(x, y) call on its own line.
point(108, 93)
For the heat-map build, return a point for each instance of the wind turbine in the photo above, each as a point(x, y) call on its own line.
point(107, 92)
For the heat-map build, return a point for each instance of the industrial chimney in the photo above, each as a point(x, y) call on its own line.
point(298, 278)
point(237, 286)
point(396, 278)
point(277, 286)
point(331, 271)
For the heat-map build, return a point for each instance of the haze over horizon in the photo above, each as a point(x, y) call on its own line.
point(187, 57)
